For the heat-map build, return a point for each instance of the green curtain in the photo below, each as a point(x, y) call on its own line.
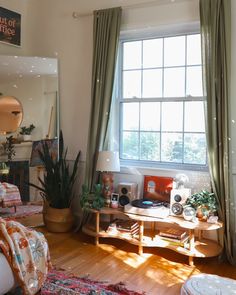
point(106, 28)
point(215, 20)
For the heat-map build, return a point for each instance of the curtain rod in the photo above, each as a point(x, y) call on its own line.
point(77, 15)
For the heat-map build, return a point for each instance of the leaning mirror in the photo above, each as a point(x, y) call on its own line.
point(30, 86)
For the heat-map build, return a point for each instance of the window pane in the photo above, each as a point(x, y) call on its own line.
point(130, 145)
point(150, 146)
point(152, 83)
point(171, 147)
point(132, 55)
point(131, 84)
point(195, 149)
point(130, 116)
point(194, 50)
point(194, 117)
point(150, 116)
point(194, 81)
point(174, 82)
point(152, 53)
point(174, 51)
point(172, 116)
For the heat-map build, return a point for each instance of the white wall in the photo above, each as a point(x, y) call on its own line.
point(166, 13)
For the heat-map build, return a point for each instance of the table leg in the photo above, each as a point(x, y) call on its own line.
point(112, 218)
point(191, 246)
point(153, 229)
point(97, 228)
point(141, 228)
point(199, 234)
point(190, 261)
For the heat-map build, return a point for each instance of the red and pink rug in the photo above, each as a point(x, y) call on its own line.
point(58, 282)
point(21, 211)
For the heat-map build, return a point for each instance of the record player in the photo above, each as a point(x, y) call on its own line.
point(148, 207)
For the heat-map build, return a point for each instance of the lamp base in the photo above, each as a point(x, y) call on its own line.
point(107, 187)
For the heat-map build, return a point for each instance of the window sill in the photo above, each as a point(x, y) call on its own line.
point(144, 170)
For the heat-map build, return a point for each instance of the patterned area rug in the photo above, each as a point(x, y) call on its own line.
point(21, 211)
point(60, 283)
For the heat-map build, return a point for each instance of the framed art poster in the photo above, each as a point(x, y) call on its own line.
point(38, 146)
point(10, 27)
point(157, 188)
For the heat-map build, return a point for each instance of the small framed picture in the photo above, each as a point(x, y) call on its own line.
point(114, 197)
point(114, 200)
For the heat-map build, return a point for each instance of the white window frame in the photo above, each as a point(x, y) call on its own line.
point(141, 35)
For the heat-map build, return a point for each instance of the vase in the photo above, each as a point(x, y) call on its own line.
point(202, 213)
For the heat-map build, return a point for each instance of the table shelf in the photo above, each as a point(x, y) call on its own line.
point(149, 237)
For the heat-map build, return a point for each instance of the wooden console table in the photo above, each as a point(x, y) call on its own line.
point(198, 247)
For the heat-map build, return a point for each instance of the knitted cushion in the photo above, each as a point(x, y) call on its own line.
point(205, 284)
point(9, 195)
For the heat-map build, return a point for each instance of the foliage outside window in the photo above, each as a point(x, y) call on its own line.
point(161, 101)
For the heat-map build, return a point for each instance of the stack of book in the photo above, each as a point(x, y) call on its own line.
point(122, 226)
point(174, 236)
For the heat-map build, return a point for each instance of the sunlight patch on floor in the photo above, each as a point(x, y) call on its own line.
point(107, 248)
point(174, 272)
point(132, 259)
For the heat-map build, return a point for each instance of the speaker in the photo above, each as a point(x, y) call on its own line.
point(178, 198)
point(127, 192)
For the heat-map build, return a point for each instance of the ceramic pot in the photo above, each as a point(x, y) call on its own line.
point(202, 213)
point(26, 137)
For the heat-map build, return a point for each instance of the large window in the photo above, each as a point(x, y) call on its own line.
point(161, 101)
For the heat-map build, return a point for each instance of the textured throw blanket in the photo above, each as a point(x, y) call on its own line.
point(27, 252)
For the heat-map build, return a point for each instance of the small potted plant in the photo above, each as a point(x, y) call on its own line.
point(205, 204)
point(92, 200)
point(26, 132)
point(9, 151)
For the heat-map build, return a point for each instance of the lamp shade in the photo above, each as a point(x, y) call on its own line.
point(108, 161)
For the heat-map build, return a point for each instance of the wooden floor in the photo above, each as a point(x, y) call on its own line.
point(157, 272)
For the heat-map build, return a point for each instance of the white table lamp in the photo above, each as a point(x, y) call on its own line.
point(108, 162)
